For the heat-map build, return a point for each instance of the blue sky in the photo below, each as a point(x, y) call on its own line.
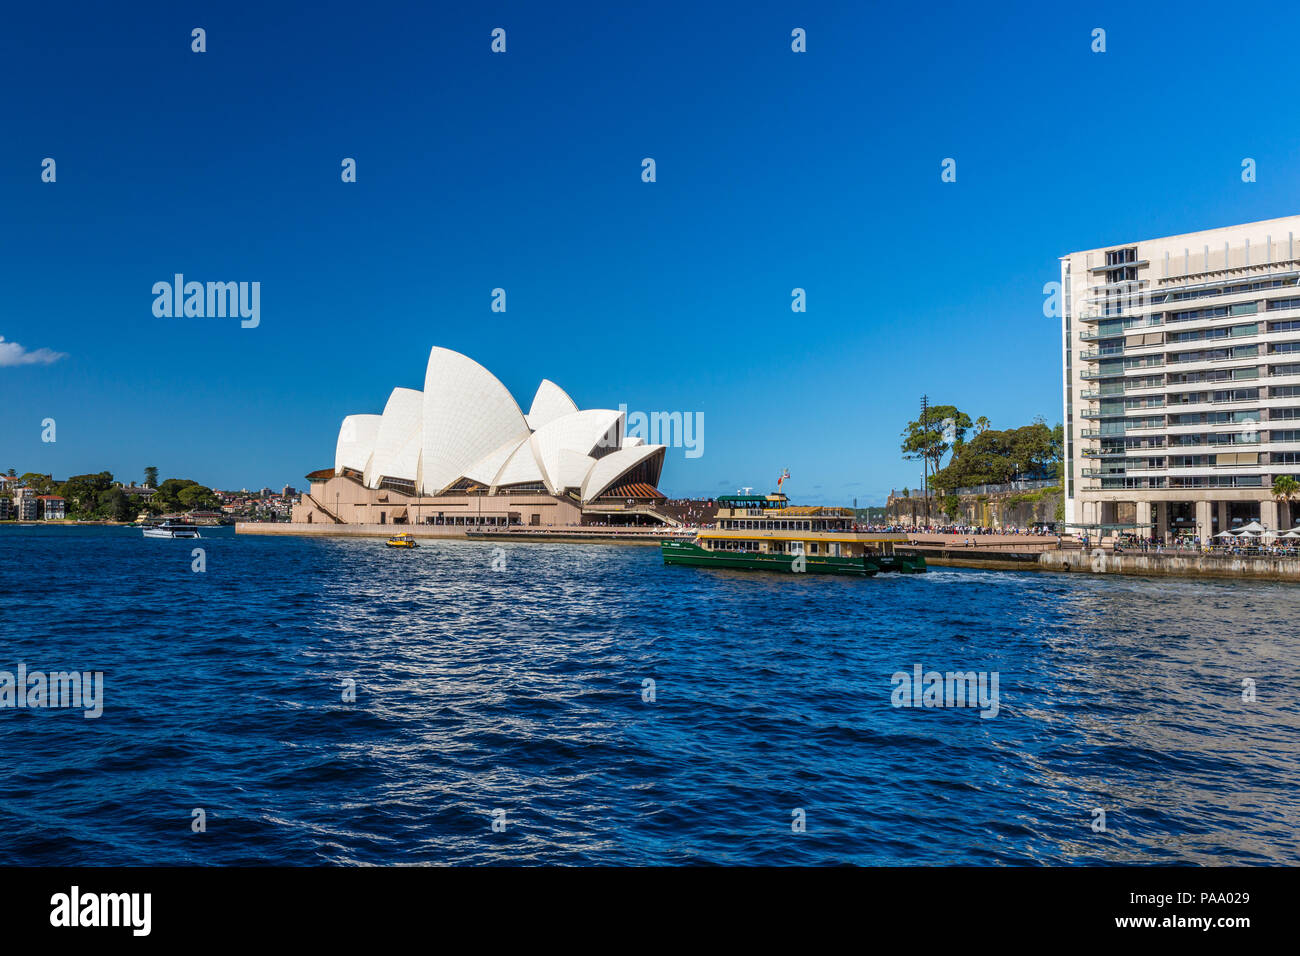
point(522, 171)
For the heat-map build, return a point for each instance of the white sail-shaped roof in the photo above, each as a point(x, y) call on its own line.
point(465, 424)
point(550, 402)
point(522, 467)
point(579, 432)
point(573, 469)
point(356, 442)
point(614, 466)
point(486, 469)
point(397, 446)
point(468, 414)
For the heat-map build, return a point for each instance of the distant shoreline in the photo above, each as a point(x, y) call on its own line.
point(72, 523)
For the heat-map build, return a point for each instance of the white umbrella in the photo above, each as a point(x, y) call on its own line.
point(1293, 533)
point(1253, 528)
point(1231, 534)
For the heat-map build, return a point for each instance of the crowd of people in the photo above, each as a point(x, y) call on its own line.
point(962, 529)
point(1195, 544)
point(691, 512)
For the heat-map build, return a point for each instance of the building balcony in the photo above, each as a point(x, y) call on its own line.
point(1133, 387)
point(1101, 473)
point(1218, 481)
point(1134, 264)
point(1094, 355)
point(1207, 448)
point(1241, 470)
point(1093, 453)
point(1207, 364)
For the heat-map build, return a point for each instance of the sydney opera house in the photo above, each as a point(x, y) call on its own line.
point(462, 453)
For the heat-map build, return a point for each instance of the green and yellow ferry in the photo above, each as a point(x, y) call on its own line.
point(766, 533)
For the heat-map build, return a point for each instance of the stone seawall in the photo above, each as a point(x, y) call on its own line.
point(570, 534)
point(1264, 568)
point(990, 559)
point(1020, 509)
point(321, 530)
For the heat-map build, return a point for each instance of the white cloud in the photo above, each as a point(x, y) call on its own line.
point(11, 353)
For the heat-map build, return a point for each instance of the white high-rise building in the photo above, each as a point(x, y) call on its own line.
point(1182, 380)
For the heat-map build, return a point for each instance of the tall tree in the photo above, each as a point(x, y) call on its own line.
point(168, 492)
point(936, 431)
point(993, 457)
point(83, 493)
point(42, 484)
point(151, 476)
point(1285, 487)
point(195, 497)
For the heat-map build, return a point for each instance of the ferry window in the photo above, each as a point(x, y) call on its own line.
point(796, 547)
point(812, 547)
point(833, 549)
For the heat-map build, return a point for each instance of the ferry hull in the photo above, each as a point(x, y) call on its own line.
point(686, 553)
point(900, 563)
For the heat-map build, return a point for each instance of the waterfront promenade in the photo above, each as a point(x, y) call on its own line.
point(628, 535)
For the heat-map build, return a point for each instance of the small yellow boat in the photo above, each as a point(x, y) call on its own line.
point(401, 541)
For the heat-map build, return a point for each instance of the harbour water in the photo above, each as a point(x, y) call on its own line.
point(494, 676)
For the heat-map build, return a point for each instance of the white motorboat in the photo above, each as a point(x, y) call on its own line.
point(172, 530)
